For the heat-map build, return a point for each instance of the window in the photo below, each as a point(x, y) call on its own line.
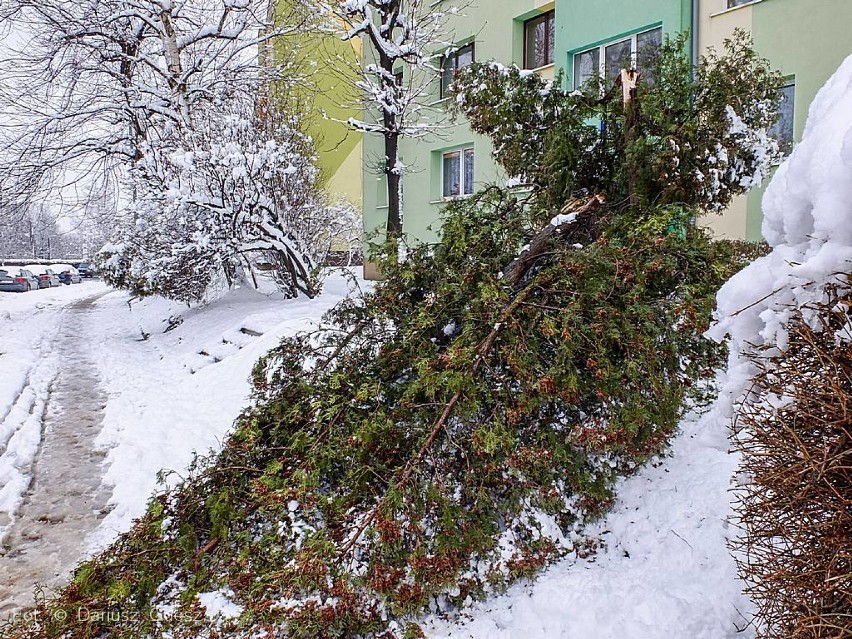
point(457, 173)
point(606, 61)
point(452, 62)
point(539, 35)
point(782, 130)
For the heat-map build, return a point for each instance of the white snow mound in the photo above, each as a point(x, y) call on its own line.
point(807, 222)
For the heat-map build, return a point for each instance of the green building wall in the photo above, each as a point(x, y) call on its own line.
point(806, 40)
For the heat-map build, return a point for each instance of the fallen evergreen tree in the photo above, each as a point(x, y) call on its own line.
point(453, 430)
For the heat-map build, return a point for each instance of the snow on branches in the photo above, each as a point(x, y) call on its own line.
point(237, 190)
point(107, 78)
point(405, 41)
point(170, 97)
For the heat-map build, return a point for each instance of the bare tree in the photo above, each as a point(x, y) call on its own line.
point(397, 34)
point(90, 85)
point(148, 92)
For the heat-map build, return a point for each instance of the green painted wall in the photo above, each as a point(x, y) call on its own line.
point(806, 40)
point(581, 24)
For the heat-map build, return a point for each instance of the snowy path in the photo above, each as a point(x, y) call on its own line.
point(59, 495)
point(97, 395)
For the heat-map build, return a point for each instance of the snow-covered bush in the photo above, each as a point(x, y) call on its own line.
point(787, 321)
point(171, 100)
point(208, 202)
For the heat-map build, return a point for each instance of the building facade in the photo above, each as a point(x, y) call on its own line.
point(805, 39)
point(546, 36)
point(325, 101)
point(599, 37)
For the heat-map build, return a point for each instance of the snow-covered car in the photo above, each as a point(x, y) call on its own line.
point(17, 280)
point(67, 274)
point(85, 269)
point(45, 274)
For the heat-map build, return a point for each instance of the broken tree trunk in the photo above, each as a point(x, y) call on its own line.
point(572, 216)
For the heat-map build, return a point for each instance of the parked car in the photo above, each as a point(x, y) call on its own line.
point(45, 274)
point(17, 280)
point(85, 269)
point(67, 274)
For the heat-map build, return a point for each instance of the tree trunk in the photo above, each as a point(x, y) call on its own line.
point(394, 183)
point(392, 172)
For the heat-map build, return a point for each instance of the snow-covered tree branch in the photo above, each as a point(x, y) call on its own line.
point(404, 42)
point(172, 97)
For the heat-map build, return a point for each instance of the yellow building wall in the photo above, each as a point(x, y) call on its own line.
point(715, 24)
point(345, 182)
point(327, 99)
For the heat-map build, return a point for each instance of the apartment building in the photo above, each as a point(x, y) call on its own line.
point(805, 39)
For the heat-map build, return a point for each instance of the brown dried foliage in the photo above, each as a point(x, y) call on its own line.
point(795, 507)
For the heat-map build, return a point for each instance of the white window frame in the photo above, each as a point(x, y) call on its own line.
point(462, 182)
point(634, 53)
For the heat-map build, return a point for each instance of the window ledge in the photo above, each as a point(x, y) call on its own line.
point(452, 198)
point(540, 69)
point(731, 9)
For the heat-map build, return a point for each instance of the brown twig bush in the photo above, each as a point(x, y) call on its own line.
point(795, 498)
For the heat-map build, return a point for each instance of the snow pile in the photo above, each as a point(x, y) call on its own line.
point(807, 222)
point(664, 569)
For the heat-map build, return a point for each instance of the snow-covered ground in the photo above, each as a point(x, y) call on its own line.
point(169, 394)
point(664, 571)
point(172, 394)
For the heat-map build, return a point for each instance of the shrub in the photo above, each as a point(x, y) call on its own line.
point(795, 505)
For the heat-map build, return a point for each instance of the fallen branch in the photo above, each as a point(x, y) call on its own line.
point(574, 213)
point(514, 273)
